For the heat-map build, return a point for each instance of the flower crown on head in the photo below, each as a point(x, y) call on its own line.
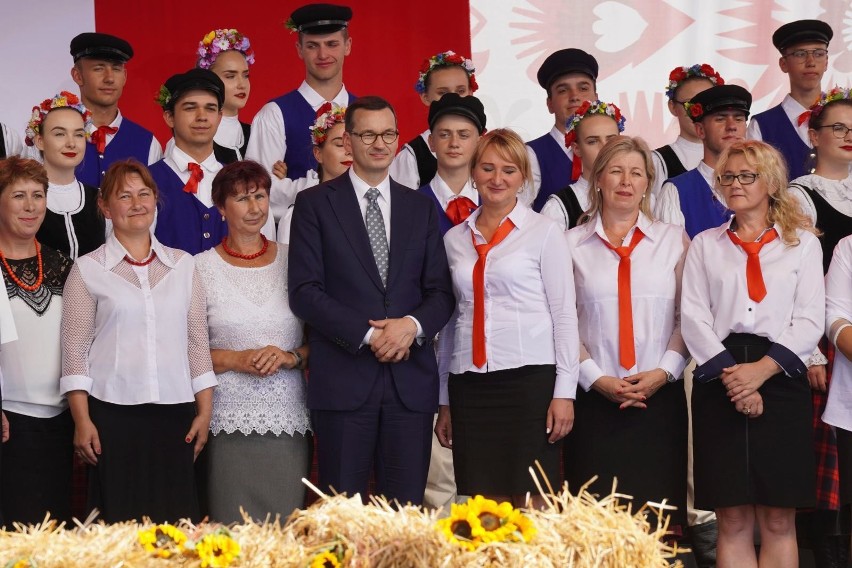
point(62, 100)
point(591, 108)
point(835, 94)
point(328, 115)
point(446, 59)
point(218, 41)
point(681, 74)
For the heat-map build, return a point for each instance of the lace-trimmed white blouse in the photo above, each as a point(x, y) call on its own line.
point(247, 308)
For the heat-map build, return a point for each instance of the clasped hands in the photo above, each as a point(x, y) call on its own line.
point(633, 390)
point(742, 382)
point(392, 338)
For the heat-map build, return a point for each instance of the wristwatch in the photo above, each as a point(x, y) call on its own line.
point(669, 377)
point(299, 360)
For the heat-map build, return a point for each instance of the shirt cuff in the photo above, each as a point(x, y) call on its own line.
point(70, 383)
point(787, 360)
point(420, 337)
point(565, 387)
point(367, 337)
point(674, 363)
point(713, 368)
point(205, 381)
point(589, 373)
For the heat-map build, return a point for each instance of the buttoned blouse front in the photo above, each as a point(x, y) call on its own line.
point(135, 334)
point(715, 301)
point(530, 314)
point(656, 265)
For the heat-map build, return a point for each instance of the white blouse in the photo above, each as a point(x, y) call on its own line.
point(715, 301)
point(838, 310)
point(247, 308)
point(656, 265)
point(135, 334)
point(530, 312)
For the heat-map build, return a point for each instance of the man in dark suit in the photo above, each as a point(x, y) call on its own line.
point(369, 275)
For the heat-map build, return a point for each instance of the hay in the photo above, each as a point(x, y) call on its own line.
point(572, 531)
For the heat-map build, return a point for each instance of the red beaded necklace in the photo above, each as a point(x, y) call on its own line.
point(234, 253)
point(146, 262)
point(14, 277)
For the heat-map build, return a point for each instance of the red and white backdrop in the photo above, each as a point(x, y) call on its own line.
point(636, 43)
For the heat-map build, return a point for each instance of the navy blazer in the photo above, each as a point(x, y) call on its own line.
point(335, 287)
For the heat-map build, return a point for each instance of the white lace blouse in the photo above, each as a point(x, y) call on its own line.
point(247, 308)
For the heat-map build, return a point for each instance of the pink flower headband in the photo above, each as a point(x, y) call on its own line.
point(62, 100)
point(218, 41)
point(328, 115)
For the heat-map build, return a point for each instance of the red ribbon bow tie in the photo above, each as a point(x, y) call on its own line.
point(99, 137)
point(459, 209)
point(195, 175)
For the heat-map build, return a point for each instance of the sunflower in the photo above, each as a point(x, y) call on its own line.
point(217, 550)
point(492, 525)
point(458, 527)
point(524, 528)
point(162, 540)
point(325, 560)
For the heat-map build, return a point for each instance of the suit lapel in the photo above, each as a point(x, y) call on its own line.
point(401, 221)
point(348, 213)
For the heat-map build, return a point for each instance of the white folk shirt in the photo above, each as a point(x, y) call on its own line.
point(667, 207)
point(444, 194)
point(404, 167)
point(838, 311)
point(127, 342)
point(530, 311)
point(555, 209)
point(656, 265)
point(715, 300)
point(268, 144)
point(792, 108)
point(530, 191)
point(689, 154)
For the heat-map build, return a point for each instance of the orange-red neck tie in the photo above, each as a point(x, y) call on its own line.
point(99, 137)
point(502, 232)
point(754, 275)
point(195, 175)
point(459, 209)
point(626, 344)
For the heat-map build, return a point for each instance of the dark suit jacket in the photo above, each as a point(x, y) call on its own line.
point(335, 288)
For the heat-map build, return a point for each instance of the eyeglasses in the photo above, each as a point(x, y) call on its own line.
point(839, 130)
point(802, 54)
point(744, 179)
point(369, 138)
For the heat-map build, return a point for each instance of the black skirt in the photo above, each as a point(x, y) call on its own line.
point(753, 461)
point(844, 461)
point(146, 466)
point(37, 465)
point(499, 430)
point(645, 450)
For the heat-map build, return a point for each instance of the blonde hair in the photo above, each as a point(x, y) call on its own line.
point(509, 146)
point(769, 164)
point(615, 147)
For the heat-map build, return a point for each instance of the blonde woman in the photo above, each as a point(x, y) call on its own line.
point(753, 309)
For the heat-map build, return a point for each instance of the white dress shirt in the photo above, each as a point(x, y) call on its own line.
point(792, 108)
point(404, 167)
point(689, 154)
point(656, 266)
point(179, 161)
point(555, 209)
point(444, 194)
point(715, 300)
point(667, 208)
point(530, 311)
point(228, 135)
point(11, 141)
point(838, 311)
point(268, 144)
point(530, 191)
point(135, 334)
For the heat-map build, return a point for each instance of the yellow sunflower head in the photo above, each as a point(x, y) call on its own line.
point(491, 525)
point(217, 550)
point(524, 528)
point(458, 527)
point(162, 540)
point(325, 559)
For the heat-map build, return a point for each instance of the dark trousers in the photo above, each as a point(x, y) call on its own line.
point(382, 433)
